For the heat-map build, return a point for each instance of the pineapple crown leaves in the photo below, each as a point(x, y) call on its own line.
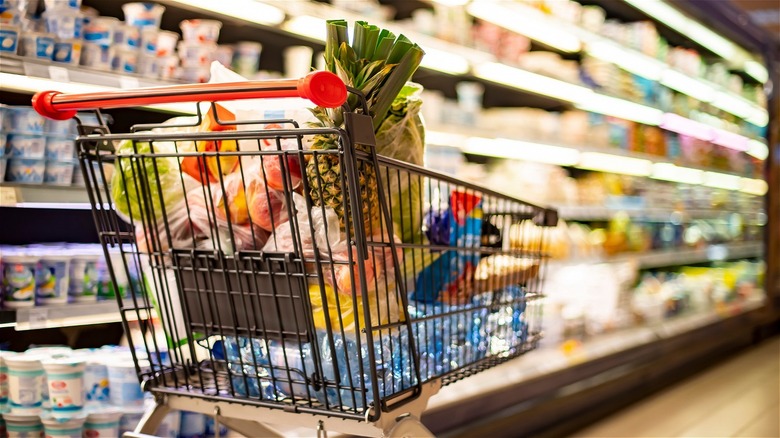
point(377, 63)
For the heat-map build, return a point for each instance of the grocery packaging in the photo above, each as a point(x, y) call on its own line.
point(143, 15)
point(24, 119)
point(59, 172)
point(25, 170)
point(450, 277)
point(100, 30)
point(67, 51)
point(64, 427)
point(36, 45)
point(9, 39)
point(18, 278)
point(25, 383)
point(65, 378)
point(26, 145)
point(200, 31)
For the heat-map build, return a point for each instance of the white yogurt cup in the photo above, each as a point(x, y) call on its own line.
point(247, 58)
point(96, 385)
point(124, 384)
point(97, 56)
point(23, 425)
point(4, 379)
point(195, 54)
point(83, 280)
point(168, 67)
point(125, 60)
point(100, 30)
point(36, 45)
point(68, 427)
point(25, 383)
point(143, 14)
point(200, 31)
point(129, 421)
point(166, 43)
point(103, 423)
point(65, 378)
point(224, 55)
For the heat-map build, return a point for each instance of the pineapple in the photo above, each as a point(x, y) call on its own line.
point(378, 65)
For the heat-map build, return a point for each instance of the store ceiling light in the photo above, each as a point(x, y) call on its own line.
point(670, 172)
point(757, 71)
point(525, 21)
point(722, 181)
point(611, 106)
point(687, 85)
point(444, 61)
point(246, 10)
point(615, 164)
point(758, 117)
point(757, 187)
point(758, 149)
point(521, 150)
point(676, 20)
point(307, 26)
point(626, 59)
point(532, 82)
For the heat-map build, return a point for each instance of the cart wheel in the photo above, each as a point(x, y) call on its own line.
point(409, 427)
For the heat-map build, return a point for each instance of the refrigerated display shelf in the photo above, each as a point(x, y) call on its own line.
point(551, 368)
point(586, 213)
point(676, 256)
point(27, 75)
point(65, 315)
point(43, 196)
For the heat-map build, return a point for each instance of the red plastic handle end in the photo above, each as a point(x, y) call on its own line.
point(323, 88)
point(42, 102)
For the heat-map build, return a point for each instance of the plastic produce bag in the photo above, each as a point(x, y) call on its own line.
point(402, 136)
point(141, 186)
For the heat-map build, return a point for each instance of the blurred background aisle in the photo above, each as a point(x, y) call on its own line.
point(739, 398)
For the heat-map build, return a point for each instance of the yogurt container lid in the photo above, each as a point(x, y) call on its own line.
point(72, 364)
point(25, 361)
point(5, 353)
point(11, 417)
point(63, 421)
point(51, 352)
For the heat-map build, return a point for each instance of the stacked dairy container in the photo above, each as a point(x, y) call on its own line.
point(44, 275)
point(35, 150)
point(92, 393)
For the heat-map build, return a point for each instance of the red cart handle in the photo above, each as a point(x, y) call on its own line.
point(323, 88)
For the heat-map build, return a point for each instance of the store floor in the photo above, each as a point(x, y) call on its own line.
point(737, 398)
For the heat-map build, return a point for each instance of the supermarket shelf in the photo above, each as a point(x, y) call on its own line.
point(43, 196)
point(602, 213)
point(680, 257)
point(74, 314)
point(569, 37)
point(26, 75)
point(534, 377)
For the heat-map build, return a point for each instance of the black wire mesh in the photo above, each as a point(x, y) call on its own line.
point(323, 280)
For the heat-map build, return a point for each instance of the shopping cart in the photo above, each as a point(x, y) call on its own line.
point(280, 290)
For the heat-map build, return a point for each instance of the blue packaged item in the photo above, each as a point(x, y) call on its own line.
point(9, 39)
point(51, 278)
point(60, 148)
point(25, 170)
point(36, 45)
point(211, 430)
point(192, 425)
point(67, 51)
point(24, 119)
point(445, 279)
point(26, 145)
point(60, 128)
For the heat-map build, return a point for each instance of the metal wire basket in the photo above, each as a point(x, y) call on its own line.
point(275, 269)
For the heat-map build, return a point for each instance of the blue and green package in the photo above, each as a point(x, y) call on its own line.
point(444, 279)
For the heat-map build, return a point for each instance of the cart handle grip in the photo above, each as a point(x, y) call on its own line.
point(323, 88)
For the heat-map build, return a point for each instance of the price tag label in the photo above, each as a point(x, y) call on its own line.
point(59, 74)
point(128, 82)
point(8, 196)
point(39, 318)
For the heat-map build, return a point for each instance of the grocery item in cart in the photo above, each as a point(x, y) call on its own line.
point(450, 278)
